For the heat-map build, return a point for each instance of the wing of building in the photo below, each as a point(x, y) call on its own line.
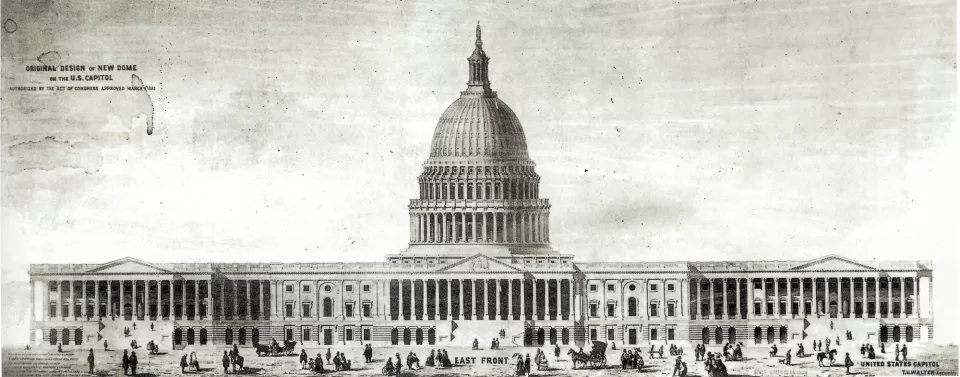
point(480, 266)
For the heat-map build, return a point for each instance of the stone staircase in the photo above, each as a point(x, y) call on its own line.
point(863, 330)
point(112, 332)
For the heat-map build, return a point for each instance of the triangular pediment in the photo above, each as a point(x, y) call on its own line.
point(834, 263)
point(479, 263)
point(128, 266)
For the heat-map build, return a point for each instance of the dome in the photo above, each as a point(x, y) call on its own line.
point(480, 126)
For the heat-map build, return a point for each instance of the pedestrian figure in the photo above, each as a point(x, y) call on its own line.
point(226, 362)
point(151, 326)
point(336, 362)
point(59, 347)
point(526, 364)
point(328, 355)
point(904, 350)
point(104, 345)
point(125, 362)
point(882, 348)
point(183, 363)
point(134, 326)
point(896, 352)
point(677, 367)
point(303, 358)
point(848, 363)
point(398, 365)
point(556, 351)
point(90, 360)
point(133, 363)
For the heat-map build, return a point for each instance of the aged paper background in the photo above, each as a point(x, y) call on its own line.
point(285, 131)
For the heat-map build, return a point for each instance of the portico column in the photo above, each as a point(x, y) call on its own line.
point(816, 306)
point(790, 297)
point(684, 297)
point(916, 297)
point(739, 314)
point(483, 221)
point(473, 226)
point(751, 298)
point(523, 299)
point(96, 298)
point(122, 301)
point(223, 300)
point(876, 297)
point(725, 313)
point(851, 302)
point(903, 302)
point(110, 298)
point(713, 302)
point(763, 291)
point(426, 308)
point(889, 297)
point(776, 297)
point(496, 235)
point(803, 300)
point(697, 305)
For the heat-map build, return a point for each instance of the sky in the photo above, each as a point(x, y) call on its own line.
point(294, 132)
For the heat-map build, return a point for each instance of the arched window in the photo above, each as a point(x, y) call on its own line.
point(553, 336)
point(406, 336)
point(394, 336)
point(431, 336)
point(228, 336)
point(66, 337)
point(565, 336)
point(770, 335)
point(203, 337)
point(757, 335)
point(718, 334)
point(732, 335)
point(419, 336)
point(540, 336)
point(190, 336)
point(78, 336)
point(255, 336)
point(909, 334)
point(896, 334)
point(53, 337)
point(883, 334)
point(632, 307)
point(177, 336)
point(705, 335)
point(783, 334)
point(242, 334)
point(327, 307)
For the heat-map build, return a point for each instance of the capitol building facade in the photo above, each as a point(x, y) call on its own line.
point(480, 266)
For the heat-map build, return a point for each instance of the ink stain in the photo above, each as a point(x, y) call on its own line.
point(10, 25)
point(145, 97)
point(49, 58)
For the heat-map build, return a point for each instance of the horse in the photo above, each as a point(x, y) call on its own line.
point(826, 355)
point(578, 358)
point(236, 360)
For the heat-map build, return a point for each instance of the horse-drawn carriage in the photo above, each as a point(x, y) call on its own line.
point(597, 358)
point(274, 349)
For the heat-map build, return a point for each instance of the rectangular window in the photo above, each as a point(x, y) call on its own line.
point(53, 310)
point(348, 334)
point(593, 334)
point(593, 287)
point(306, 288)
point(653, 310)
point(611, 288)
point(611, 310)
point(367, 309)
point(289, 311)
point(348, 309)
point(289, 288)
point(611, 334)
point(349, 288)
point(366, 334)
point(366, 287)
point(669, 287)
point(653, 333)
point(306, 334)
point(593, 310)
point(670, 309)
point(653, 287)
point(769, 308)
point(306, 310)
point(671, 333)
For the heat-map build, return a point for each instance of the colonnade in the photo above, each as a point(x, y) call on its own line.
point(480, 227)
point(836, 297)
point(480, 299)
point(156, 299)
point(447, 189)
